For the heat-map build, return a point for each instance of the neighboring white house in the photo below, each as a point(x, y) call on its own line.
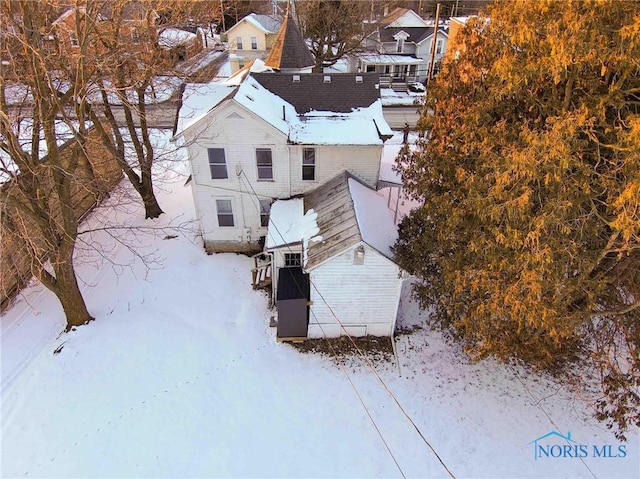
point(332, 262)
point(400, 48)
point(251, 38)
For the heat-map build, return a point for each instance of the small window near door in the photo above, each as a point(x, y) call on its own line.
point(264, 161)
point(225, 213)
point(292, 260)
point(309, 164)
point(265, 209)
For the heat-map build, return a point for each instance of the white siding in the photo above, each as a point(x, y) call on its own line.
point(239, 132)
point(361, 161)
point(363, 297)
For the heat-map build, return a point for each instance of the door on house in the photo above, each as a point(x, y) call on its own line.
point(292, 300)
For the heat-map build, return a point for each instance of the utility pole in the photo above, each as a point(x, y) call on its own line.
point(433, 47)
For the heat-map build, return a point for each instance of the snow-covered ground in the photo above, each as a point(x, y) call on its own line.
point(181, 376)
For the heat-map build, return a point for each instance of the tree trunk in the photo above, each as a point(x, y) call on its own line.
point(70, 296)
point(151, 207)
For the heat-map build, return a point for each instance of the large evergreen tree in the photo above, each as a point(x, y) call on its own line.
point(528, 243)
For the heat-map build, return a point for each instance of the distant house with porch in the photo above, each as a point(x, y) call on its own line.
point(399, 49)
point(251, 38)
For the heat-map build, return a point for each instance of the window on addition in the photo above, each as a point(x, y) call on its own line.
point(309, 164)
point(292, 260)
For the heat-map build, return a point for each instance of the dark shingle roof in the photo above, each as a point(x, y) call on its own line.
point(342, 94)
point(416, 34)
point(289, 50)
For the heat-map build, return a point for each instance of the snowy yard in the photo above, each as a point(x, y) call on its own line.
point(181, 376)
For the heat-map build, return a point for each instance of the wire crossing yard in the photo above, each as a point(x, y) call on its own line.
point(181, 376)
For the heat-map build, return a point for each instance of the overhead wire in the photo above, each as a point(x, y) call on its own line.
point(367, 360)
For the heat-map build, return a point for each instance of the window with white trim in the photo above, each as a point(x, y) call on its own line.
point(135, 37)
point(439, 46)
point(400, 45)
point(309, 164)
point(73, 40)
point(254, 43)
point(217, 163)
point(239, 43)
point(292, 260)
point(264, 161)
point(265, 209)
point(224, 211)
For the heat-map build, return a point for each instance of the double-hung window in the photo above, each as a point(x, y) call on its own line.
point(309, 164)
point(217, 163)
point(239, 43)
point(225, 212)
point(254, 43)
point(135, 37)
point(264, 161)
point(265, 209)
point(73, 40)
point(439, 46)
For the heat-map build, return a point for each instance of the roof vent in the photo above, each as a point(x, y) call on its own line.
point(358, 78)
point(255, 86)
point(327, 79)
point(296, 78)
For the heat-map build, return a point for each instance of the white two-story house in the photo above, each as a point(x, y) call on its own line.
point(400, 48)
point(277, 136)
point(251, 38)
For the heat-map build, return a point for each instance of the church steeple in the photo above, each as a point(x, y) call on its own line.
point(289, 53)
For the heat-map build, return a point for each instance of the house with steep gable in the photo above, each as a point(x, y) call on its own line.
point(399, 49)
point(251, 38)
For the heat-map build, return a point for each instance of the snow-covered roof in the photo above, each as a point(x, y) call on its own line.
point(198, 100)
point(361, 126)
point(264, 23)
point(374, 218)
point(285, 220)
point(349, 213)
point(387, 59)
point(173, 37)
point(290, 224)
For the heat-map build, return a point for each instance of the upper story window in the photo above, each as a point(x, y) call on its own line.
point(254, 43)
point(265, 209)
point(73, 40)
point(439, 46)
point(135, 37)
point(239, 43)
point(264, 161)
point(224, 211)
point(400, 45)
point(217, 163)
point(309, 164)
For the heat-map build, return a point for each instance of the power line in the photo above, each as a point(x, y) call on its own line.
point(367, 360)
